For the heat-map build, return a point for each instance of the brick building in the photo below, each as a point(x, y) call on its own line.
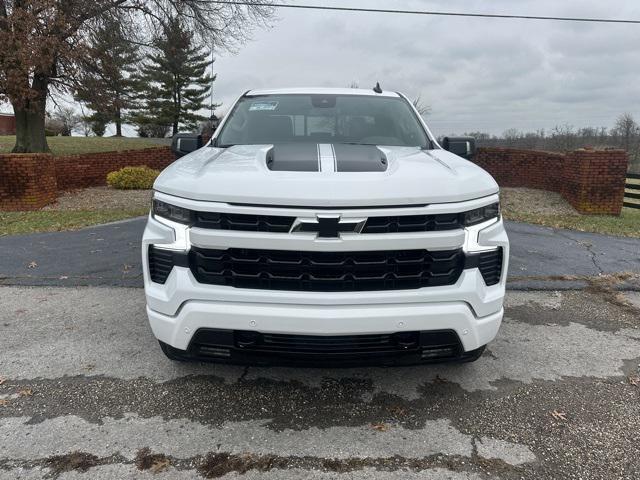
point(7, 124)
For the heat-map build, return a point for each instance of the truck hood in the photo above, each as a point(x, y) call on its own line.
point(340, 176)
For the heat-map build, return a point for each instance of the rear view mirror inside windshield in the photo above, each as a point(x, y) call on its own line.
point(323, 101)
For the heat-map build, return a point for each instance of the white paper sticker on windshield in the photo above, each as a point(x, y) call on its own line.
point(263, 106)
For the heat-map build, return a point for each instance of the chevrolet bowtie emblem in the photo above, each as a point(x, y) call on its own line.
point(328, 226)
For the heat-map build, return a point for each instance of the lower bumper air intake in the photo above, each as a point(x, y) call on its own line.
point(400, 348)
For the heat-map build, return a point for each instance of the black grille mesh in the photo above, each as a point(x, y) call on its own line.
point(412, 223)
point(160, 264)
point(437, 344)
point(490, 265)
point(242, 222)
point(326, 271)
point(334, 344)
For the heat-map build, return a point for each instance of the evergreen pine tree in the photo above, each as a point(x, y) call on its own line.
point(106, 83)
point(173, 82)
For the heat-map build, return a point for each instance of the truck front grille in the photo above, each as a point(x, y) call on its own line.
point(283, 224)
point(326, 271)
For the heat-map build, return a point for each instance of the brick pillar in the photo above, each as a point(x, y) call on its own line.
point(27, 181)
point(594, 180)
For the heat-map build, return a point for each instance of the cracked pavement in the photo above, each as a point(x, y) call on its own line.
point(109, 255)
point(86, 393)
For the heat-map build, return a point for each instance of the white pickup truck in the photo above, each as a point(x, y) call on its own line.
point(326, 227)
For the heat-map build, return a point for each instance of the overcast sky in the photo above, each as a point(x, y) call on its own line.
point(476, 74)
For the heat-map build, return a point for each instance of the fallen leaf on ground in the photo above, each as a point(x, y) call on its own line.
point(3, 402)
point(634, 380)
point(559, 415)
point(2, 380)
point(27, 392)
point(398, 411)
point(380, 427)
point(160, 465)
point(33, 265)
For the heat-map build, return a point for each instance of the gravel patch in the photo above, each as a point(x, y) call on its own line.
point(102, 198)
point(529, 200)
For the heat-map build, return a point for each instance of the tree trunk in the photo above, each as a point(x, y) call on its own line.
point(30, 136)
point(176, 107)
point(30, 114)
point(118, 120)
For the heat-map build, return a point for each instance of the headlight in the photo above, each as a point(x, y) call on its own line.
point(171, 212)
point(480, 215)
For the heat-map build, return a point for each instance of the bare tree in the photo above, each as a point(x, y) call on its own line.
point(625, 135)
point(423, 108)
point(42, 42)
point(627, 131)
point(85, 122)
point(68, 118)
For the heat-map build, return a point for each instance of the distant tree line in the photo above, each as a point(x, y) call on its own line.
point(625, 134)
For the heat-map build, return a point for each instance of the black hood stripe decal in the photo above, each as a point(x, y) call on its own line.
point(311, 157)
point(294, 157)
point(359, 158)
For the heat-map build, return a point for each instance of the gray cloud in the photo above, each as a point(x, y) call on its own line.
point(477, 74)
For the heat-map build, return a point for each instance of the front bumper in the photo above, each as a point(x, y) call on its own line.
point(181, 306)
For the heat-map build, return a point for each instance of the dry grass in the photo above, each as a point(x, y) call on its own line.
point(17, 223)
point(551, 210)
point(529, 200)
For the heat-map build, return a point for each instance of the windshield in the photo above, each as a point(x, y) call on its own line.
point(354, 119)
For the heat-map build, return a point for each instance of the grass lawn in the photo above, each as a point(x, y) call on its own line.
point(626, 225)
point(72, 145)
point(15, 223)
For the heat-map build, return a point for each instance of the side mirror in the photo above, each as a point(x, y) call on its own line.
point(184, 143)
point(464, 147)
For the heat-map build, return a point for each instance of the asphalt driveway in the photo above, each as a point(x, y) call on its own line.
point(86, 394)
point(109, 255)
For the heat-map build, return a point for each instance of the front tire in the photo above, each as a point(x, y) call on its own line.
point(173, 353)
point(473, 355)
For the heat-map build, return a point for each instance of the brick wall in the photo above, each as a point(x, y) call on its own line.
point(27, 181)
point(595, 180)
point(7, 124)
point(90, 170)
point(31, 181)
point(592, 181)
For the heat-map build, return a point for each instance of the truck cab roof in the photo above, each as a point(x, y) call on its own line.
point(321, 91)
